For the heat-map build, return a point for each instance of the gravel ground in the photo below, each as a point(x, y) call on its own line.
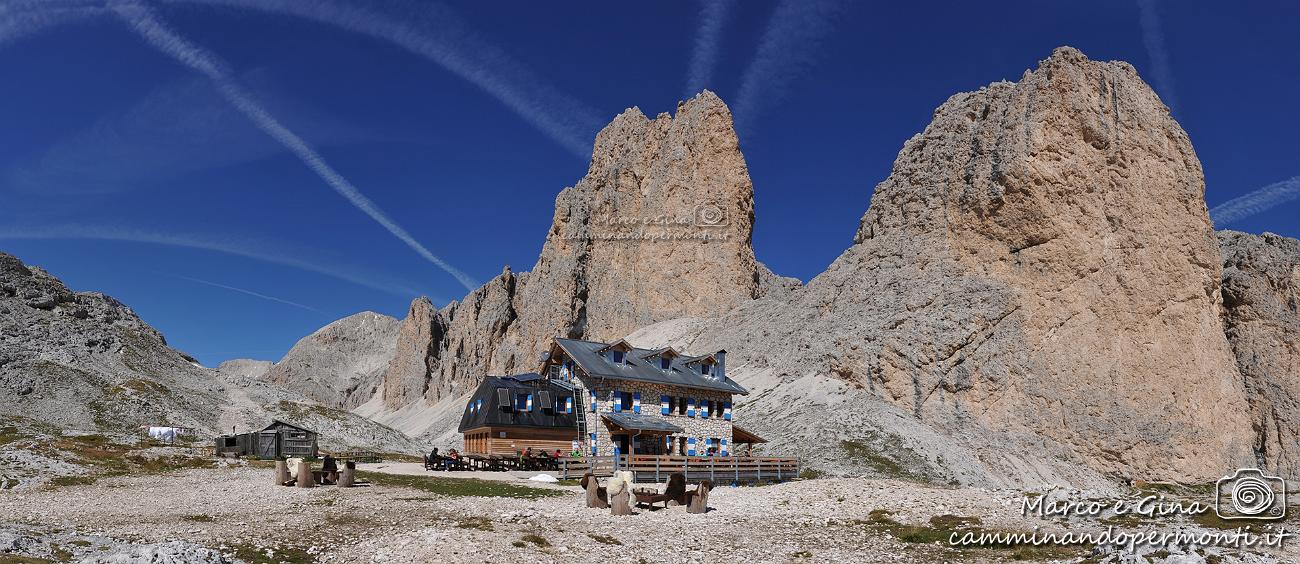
point(238, 513)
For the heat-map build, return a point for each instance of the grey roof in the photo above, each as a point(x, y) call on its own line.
point(637, 367)
point(490, 414)
point(640, 422)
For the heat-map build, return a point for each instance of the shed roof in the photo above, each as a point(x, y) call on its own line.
point(278, 424)
point(489, 414)
point(742, 436)
point(641, 365)
point(639, 422)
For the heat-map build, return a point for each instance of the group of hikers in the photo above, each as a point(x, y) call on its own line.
point(526, 459)
point(435, 461)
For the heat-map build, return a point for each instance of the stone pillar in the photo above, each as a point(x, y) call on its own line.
point(281, 472)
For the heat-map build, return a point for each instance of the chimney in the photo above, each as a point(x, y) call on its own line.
point(721, 368)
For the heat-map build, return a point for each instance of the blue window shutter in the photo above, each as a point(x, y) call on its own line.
point(617, 398)
point(726, 411)
point(529, 405)
point(663, 404)
point(636, 402)
point(593, 444)
point(690, 446)
point(668, 442)
point(593, 401)
point(690, 407)
point(704, 409)
point(724, 447)
point(568, 404)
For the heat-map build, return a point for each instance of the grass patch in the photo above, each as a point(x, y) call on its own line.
point(280, 555)
point(801, 554)
point(941, 528)
point(889, 458)
point(605, 539)
point(459, 487)
point(61, 481)
point(1211, 520)
point(568, 483)
point(476, 523)
point(140, 386)
point(10, 435)
point(9, 559)
point(536, 540)
point(198, 518)
point(519, 544)
point(811, 474)
point(61, 554)
point(108, 459)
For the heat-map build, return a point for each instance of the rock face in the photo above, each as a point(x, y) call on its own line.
point(1038, 276)
point(659, 228)
point(341, 364)
point(84, 361)
point(1261, 295)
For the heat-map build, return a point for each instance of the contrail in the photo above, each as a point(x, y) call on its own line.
point(243, 291)
point(23, 18)
point(1256, 202)
point(704, 56)
point(788, 47)
point(1153, 37)
point(256, 250)
point(142, 20)
point(453, 45)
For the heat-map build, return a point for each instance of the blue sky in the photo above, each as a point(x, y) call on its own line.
point(136, 156)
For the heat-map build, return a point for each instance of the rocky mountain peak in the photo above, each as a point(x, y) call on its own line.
point(659, 228)
point(1039, 263)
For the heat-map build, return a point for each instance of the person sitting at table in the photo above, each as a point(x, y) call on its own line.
point(330, 467)
point(453, 459)
point(432, 462)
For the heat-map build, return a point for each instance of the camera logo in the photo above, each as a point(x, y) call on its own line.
point(1250, 494)
point(709, 215)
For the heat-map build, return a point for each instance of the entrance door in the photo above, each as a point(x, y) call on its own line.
point(268, 444)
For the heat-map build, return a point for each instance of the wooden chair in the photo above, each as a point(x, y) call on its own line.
point(674, 492)
point(596, 496)
point(699, 499)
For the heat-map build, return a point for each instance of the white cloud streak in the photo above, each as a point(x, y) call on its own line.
point(154, 32)
point(246, 292)
point(789, 46)
point(1255, 202)
point(1153, 38)
point(24, 18)
point(704, 52)
point(256, 250)
point(435, 33)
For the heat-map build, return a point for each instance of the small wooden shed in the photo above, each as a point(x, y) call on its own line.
point(277, 440)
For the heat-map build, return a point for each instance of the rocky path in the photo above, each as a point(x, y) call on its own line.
point(237, 514)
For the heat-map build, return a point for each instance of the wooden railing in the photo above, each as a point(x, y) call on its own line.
point(718, 469)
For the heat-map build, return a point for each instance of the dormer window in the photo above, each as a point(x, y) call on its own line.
point(616, 356)
point(704, 368)
point(665, 363)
